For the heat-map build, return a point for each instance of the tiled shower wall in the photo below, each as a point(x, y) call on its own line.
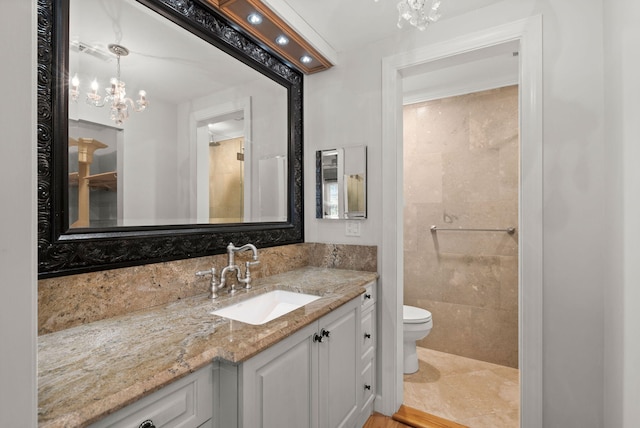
point(461, 160)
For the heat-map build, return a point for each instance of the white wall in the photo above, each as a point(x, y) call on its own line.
point(342, 106)
point(622, 295)
point(149, 170)
point(18, 233)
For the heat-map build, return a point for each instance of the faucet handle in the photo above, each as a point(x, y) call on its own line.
point(213, 285)
point(211, 271)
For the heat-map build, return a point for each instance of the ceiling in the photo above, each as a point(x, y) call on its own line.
point(350, 24)
point(341, 24)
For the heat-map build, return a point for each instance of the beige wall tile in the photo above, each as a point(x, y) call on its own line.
point(461, 170)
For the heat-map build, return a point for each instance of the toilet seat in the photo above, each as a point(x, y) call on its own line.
point(413, 315)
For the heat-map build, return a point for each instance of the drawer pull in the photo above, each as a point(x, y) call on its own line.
point(367, 336)
point(147, 424)
point(367, 387)
point(317, 337)
point(367, 296)
point(325, 333)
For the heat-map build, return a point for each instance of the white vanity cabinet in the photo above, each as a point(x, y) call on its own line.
point(185, 403)
point(322, 376)
point(309, 380)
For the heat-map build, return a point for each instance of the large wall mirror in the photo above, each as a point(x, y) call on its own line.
point(164, 133)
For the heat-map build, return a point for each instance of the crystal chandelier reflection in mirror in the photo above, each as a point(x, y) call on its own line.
point(419, 13)
point(116, 97)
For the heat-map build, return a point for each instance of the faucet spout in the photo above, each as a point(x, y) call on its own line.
point(246, 280)
point(231, 249)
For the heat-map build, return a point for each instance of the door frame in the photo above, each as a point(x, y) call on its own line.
point(529, 34)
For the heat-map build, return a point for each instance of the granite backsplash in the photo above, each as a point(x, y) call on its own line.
point(68, 301)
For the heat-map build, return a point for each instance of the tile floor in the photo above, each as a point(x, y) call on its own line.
point(467, 391)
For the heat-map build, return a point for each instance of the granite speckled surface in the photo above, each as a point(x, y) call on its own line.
point(89, 371)
point(72, 300)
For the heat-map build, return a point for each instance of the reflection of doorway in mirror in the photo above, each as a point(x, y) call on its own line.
point(331, 199)
point(222, 123)
point(93, 175)
point(355, 202)
point(226, 181)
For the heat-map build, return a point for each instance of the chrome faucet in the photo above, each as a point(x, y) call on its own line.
point(217, 285)
point(232, 266)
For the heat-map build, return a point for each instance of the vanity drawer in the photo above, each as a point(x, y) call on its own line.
point(186, 403)
point(368, 298)
point(368, 387)
point(368, 333)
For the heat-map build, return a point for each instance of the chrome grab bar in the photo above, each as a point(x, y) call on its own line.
point(509, 230)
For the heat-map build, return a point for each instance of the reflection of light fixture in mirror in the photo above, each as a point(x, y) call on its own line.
point(116, 96)
point(419, 13)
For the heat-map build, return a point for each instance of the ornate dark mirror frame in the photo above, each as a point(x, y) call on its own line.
point(64, 252)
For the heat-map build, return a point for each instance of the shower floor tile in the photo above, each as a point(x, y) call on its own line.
point(467, 391)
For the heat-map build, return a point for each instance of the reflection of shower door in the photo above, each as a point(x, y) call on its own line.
point(226, 181)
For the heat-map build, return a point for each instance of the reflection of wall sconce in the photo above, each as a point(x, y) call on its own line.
point(212, 142)
point(116, 95)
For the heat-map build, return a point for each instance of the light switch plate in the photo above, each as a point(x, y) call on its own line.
point(352, 228)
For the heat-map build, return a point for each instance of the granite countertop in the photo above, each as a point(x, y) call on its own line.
point(90, 371)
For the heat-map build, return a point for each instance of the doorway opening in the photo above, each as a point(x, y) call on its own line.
point(460, 221)
point(529, 34)
point(225, 144)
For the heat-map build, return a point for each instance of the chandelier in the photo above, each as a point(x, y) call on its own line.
point(419, 13)
point(116, 97)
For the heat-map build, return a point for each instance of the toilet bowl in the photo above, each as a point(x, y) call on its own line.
point(416, 325)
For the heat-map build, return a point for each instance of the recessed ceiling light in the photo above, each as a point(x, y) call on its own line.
point(254, 18)
point(306, 59)
point(282, 40)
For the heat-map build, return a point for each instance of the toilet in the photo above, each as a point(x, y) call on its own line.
point(416, 325)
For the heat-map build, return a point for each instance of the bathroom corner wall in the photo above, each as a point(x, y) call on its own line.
point(69, 301)
point(461, 160)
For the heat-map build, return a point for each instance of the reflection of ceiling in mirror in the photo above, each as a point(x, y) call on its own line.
point(160, 52)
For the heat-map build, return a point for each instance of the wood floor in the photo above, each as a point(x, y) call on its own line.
point(381, 421)
point(411, 418)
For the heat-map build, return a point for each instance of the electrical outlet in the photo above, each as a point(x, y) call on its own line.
point(352, 228)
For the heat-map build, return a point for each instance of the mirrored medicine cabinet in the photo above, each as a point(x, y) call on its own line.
point(341, 183)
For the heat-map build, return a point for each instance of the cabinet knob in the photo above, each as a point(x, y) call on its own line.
point(367, 336)
point(317, 337)
point(367, 296)
point(367, 387)
point(325, 333)
point(147, 424)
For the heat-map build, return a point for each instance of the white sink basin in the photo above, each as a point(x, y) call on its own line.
point(265, 307)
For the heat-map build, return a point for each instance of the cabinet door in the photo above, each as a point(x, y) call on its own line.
point(338, 372)
point(279, 384)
